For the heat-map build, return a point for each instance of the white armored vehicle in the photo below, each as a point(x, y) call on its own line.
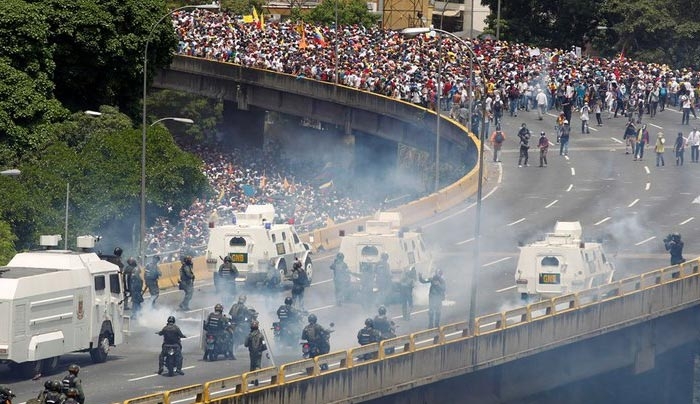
point(261, 250)
point(561, 263)
point(384, 235)
point(53, 302)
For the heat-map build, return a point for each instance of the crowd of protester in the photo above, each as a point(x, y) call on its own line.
point(406, 68)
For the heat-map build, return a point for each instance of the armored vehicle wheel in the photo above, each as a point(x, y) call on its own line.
point(49, 365)
point(28, 370)
point(99, 353)
point(309, 268)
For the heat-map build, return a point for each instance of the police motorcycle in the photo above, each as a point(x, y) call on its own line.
point(309, 349)
point(170, 352)
point(218, 342)
point(287, 332)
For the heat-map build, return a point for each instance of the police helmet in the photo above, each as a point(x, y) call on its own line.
point(369, 322)
point(382, 310)
point(218, 308)
point(312, 319)
point(118, 251)
point(171, 320)
point(297, 263)
point(254, 325)
point(188, 260)
point(156, 258)
point(6, 393)
point(676, 236)
point(340, 256)
point(73, 368)
point(131, 261)
point(47, 385)
point(241, 299)
point(542, 133)
point(72, 392)
point(288, 300)
point(227, 259)
point(56, 386)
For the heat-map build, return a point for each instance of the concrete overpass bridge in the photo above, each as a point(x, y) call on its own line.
point(625, 326)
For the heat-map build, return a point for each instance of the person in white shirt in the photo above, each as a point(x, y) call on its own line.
point(694, 143)
point(541, 99)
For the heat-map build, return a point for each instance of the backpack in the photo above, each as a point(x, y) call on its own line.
point(663, 91)
point(499, 138)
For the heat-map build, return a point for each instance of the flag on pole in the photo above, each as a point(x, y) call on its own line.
point(319, 37)
point(256, 20)
point(261, 24)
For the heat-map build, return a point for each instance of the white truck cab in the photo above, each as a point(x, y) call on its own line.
point(263, 251)
point(54, 301)
point(561, 263)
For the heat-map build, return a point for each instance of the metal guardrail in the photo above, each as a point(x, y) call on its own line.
point(271, 377)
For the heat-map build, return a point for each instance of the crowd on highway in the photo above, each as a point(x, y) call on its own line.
point(254, 177)
point(390, 63)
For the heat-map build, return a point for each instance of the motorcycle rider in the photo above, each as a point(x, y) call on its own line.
point(171, 336)
point(341, 278)
point(151, 276)
point(72, 381)
point(216, 325)
point(383, 325)
point(317, 337)
point(186, 282)
point(72, 396)
point(289, 318)
point(55, 394)
point(436, 295)
point(228, 274)
point(368, 335)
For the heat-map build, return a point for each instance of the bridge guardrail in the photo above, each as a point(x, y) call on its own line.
point(224, 387)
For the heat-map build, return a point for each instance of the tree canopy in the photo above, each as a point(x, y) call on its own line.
point(650, 30)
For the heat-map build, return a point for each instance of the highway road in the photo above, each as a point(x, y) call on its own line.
point(630, 205)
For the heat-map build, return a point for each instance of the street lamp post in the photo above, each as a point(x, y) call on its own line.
point(480, 182)
point(142, 225)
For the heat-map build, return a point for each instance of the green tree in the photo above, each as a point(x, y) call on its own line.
point(99, 49)
point(349, 12)
point(205, 112)
point(7, 243)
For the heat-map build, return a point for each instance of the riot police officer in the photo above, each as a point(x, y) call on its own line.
point(287, 313)
point(408, 279)
point(6, 395)
point(300, 281)
point(318, 337)
point(136, 287)
point(216, 325)
point(72, 396)
point(227, 275)
point(55, 394)
point(341, 278)
point(186, 282)
point(674, 246)
point(384, 278)
point(383, 325)
point(127, 273)
point(171, 336)
point(72, 381)
point(368, 335)
point(255, 342)
point(151, 276)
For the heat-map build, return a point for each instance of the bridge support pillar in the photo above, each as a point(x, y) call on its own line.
point(644, 357)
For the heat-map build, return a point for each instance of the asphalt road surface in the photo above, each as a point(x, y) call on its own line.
point(630, 205)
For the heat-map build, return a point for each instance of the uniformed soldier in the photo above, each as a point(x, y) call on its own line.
point(151, 276)
point(55, 394)
point(318, 337)
point(341, 278)
point(300, 281)
point(384, 278)
point(127, 273)
point(186, 282)
point(72, 381)
point(72, 396)
point(6, 395)
point(383, 325)
point(136, 287)
point(227, 275)
point(408, 279)
point(255, 342)
point(368, 335)
point(171, 336)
